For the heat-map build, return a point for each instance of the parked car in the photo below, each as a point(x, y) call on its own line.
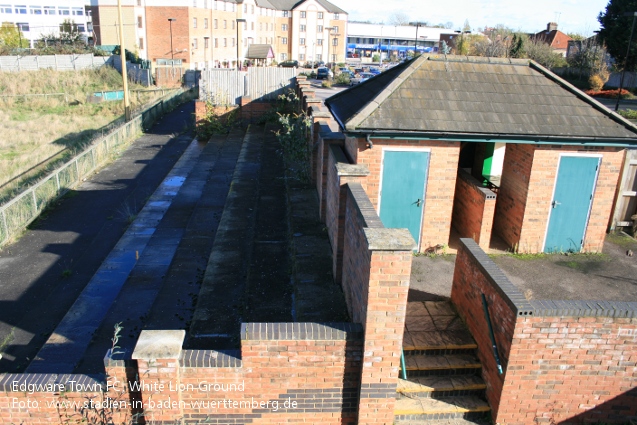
point(374, 71)
point(289, 64)
point(349, 73)
point(323, 73)
point(363, 76)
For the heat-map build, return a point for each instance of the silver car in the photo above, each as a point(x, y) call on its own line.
point(363, 76)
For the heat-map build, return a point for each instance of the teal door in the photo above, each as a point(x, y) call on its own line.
point(402, 197)
point(571, 203)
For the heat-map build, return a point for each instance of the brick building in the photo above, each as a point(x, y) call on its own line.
point(554, 38)
point(432, 130)
point(204, 33)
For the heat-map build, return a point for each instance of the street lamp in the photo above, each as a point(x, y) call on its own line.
point(630, 40)
point(329, 41)
point(172, 55)
point(418, 24)
point(239, 20)
point(205, 47)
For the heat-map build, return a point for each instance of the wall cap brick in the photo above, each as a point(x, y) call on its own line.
point(301, 331)
point(364, 206)
point(321, 114)
point(389, 239)
point(467, 177)
point(159, 344)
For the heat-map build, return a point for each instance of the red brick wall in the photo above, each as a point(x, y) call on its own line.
point(252, 111)
point(473, 209)
point(158, 31)
point(203, 108)
point(564, 362)
point(441, 182)
point(511, 203)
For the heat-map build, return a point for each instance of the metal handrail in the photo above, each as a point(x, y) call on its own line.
point(491, 335)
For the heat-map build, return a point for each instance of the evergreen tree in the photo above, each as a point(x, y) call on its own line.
point(615, 31)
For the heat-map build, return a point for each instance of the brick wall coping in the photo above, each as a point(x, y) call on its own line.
point(365, 208)
point(545, 308)
point(300, 78)
point(321, 114)
point(389, 239)
point(319, 101)
point(343, 167)
point(301, 331)
point(159, 344)
point(52, 382)
point(508, 291)
point(308, 91)
point(466, 176)
point(210, 358)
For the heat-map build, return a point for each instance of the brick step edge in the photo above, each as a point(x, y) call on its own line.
point(426, 408)
point(420, 387)
point(441, 362)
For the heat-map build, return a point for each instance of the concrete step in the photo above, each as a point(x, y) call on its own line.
point(425, 408)
point(441, 386)
point(441, 365)
point(435, 326)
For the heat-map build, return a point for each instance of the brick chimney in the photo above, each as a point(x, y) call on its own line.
point(551, 26)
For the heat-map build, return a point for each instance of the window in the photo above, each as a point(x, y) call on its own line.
point(35, 10)
point(48, 10)
point(194, 3)
point(284, 40)
point(139, 3)
point(320, 15)
point(335, 29)
point(205, 23)
point(245, 25)
point(284, 57)
point(215, 24)
point(302, 42)
point(22, 26)
point(139, 22)
point(225, 42)
point(81, 28)
point(225, 24)
point(319, 42)
point(284, 27)
point(77, 11)
point(319, 28)
point(252, 9)
point(64, 11)
point(319, 57)
point(335, 42)
point(302, 28)
point(233, 41)
point(336, 17)
point(216, 42)
point(21, 10)
point(194, 43)
point(301, 57)
point(6, 8)
point(205, 4)
point(233, 24)
point(252, 26)
point(302, 14)
point(194, 22)
point(141, 43)
point(215, 6)
point(245, 8)
point(286, 14)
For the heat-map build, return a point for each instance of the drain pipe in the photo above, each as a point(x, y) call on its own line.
point(369, 141)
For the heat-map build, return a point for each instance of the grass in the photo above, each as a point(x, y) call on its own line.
point(40, 133)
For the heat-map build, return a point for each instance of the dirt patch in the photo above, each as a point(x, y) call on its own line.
point(610, 275)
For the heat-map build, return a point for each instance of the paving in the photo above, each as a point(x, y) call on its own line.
point(610, 275)
point(42, 274)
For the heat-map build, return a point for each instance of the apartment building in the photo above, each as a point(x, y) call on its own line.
point(42, 18)
point(199, 34)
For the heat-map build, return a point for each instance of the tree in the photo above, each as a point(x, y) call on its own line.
point(69, 32)
point(615, 31)
point(398, 18)
point(11, 36)
point(543, 54)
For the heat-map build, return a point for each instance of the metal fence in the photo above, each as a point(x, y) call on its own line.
point(18, 213)
point(135, 72)
point(227, 86)
point(57, 62)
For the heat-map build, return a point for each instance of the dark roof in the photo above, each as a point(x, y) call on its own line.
point(292, 4)
point(474, 97)
point(260, 51)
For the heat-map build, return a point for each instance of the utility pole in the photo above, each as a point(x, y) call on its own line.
point(122, 52)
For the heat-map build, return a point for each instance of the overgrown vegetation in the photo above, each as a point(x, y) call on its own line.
point(42, 131)
point(217, 120)
point(630, 114)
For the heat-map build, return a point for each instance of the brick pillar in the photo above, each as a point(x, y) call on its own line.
point(390, 252)
point(157, 353)
point(302, 86)
point(246, 108)
point(318, 154)
point(200, 110)
point(307, 94)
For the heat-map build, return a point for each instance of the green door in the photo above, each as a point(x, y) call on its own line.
point(571, 203)
point(402, 197)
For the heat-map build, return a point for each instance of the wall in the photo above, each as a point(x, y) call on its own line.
point(473, 209)
point(564, 361)
point(56, 62)
point(441, 182)
point(524, 199)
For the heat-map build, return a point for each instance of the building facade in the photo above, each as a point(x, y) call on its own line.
point(364, 41)
point(201, 34)
point(37, 19)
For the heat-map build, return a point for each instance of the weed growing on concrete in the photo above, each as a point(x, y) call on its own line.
point(217, 120)
point(116, 335)
point(296, 149)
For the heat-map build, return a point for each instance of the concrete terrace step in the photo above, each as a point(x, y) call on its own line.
point(420, 408)
point(441, 386)
point(446, 364)
point(435, 326)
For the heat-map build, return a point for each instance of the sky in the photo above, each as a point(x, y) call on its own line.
point(578, 16)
